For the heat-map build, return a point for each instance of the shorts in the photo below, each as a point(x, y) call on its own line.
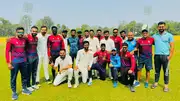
point(145, 62)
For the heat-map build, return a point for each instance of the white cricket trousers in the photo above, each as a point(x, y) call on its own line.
point(84, 73)
point(45, 61)
point(63, 76)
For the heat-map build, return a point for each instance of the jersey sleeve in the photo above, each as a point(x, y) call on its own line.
point(96, 54)
point(8, 50)
point(49, 46)
point(133, 62)
point(108, 58)
point(62, 44)
point(171, 39)
point(70, 61)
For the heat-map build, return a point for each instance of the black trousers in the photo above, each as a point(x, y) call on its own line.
point(31, 72)
point(161, 61)
point(126, 79)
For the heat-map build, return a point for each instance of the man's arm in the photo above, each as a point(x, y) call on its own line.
point(49, 47)
point(77, 60)
point(98, 44)
point(8, 54)
point(171, 50)
point(91, 60)
point(133, 62)
point(62, 43)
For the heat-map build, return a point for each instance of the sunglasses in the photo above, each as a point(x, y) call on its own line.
point(20, 33)
point(115, 32)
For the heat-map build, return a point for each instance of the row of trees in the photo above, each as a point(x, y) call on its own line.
point(8, 29)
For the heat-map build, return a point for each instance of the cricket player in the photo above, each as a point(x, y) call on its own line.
point(103, 58)
point(66, 71)
point(80, 40)
point(99, 35)
point(144, 45)
point(109, 46)
point(84, 62)
point(16, 60)
point(73, 43)
point(43, 55)
point(64, 35)
point(115, 64)
point(55, 44)
point(86, 34)
point(128, 64)
point(164, 49)
point(123, 35)
point(117, 40)
point(32, 58)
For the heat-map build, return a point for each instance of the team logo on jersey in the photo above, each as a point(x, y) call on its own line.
point(148, 41)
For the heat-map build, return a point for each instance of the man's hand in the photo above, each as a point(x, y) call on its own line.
point(52, 64)
point(169, 58)
point(76, 68)
point(10, 67)
point(130, 71)
point(132, 52)
point(110, 65)
point(89, 68)
point(60, 70)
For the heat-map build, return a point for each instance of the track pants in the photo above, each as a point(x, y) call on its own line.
point(45, 61)
point(126, 79)
point(31, 72)
point(161, 60)
point(63, 76)
point(14, 72)
point(114, 72)
point(100, 68)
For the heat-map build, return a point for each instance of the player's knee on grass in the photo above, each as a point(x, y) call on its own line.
point(70, 70)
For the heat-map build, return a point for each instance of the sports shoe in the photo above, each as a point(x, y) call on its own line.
point(30, 89)
point(132, 89)
point(37, 84)
point(146, 85)
point(35, 87)
point(137, 84)
point(26, 92)
point(166, 89)
point(48, 81)
point(153, 86)
point(69, 85)
point(89, 83)
point(14, 96)
point(76, 85)
point(114, 84)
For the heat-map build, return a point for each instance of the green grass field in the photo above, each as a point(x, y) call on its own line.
point(99, 91)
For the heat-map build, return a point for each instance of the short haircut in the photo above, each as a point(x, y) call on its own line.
point(115, 29)
point(99, 30)
point(123, 31)
point(125, 44)
point(44, 27)
point(53, 27)
point(106, 31)
point(145, 30)
point(84, 42)
point(103, 44)
point(63, 50)
point(161, 23)
point(34, 27)
point(73, 30)
point(19, 28)
point(86, 31)
point(92, 30)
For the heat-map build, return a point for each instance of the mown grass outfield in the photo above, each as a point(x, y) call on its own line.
point(99, 91)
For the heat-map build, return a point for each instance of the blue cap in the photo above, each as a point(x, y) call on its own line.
point(114, 49)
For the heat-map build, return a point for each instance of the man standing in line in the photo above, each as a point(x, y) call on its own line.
point(32, 58)
point(86, 34)
point(64, 35)
point(99, 35)
point(16, 60)
point(43, 55)
point(123, 35)
point(65, 63)
point(117, 40)
point(55, 44)
point(164, 49)
point(84, 62)
point(144, 45)
point(80, 40)
point(73, 43)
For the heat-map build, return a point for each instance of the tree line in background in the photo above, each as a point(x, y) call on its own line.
point(8, 29)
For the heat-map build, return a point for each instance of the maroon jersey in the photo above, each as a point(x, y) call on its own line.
point(118, 42)
point(103, 57)
point(15, 46)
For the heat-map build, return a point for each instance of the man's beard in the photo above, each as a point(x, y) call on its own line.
point(62, 57)
point(161, 30)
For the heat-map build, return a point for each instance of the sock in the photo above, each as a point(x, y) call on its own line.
point(90, 79)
